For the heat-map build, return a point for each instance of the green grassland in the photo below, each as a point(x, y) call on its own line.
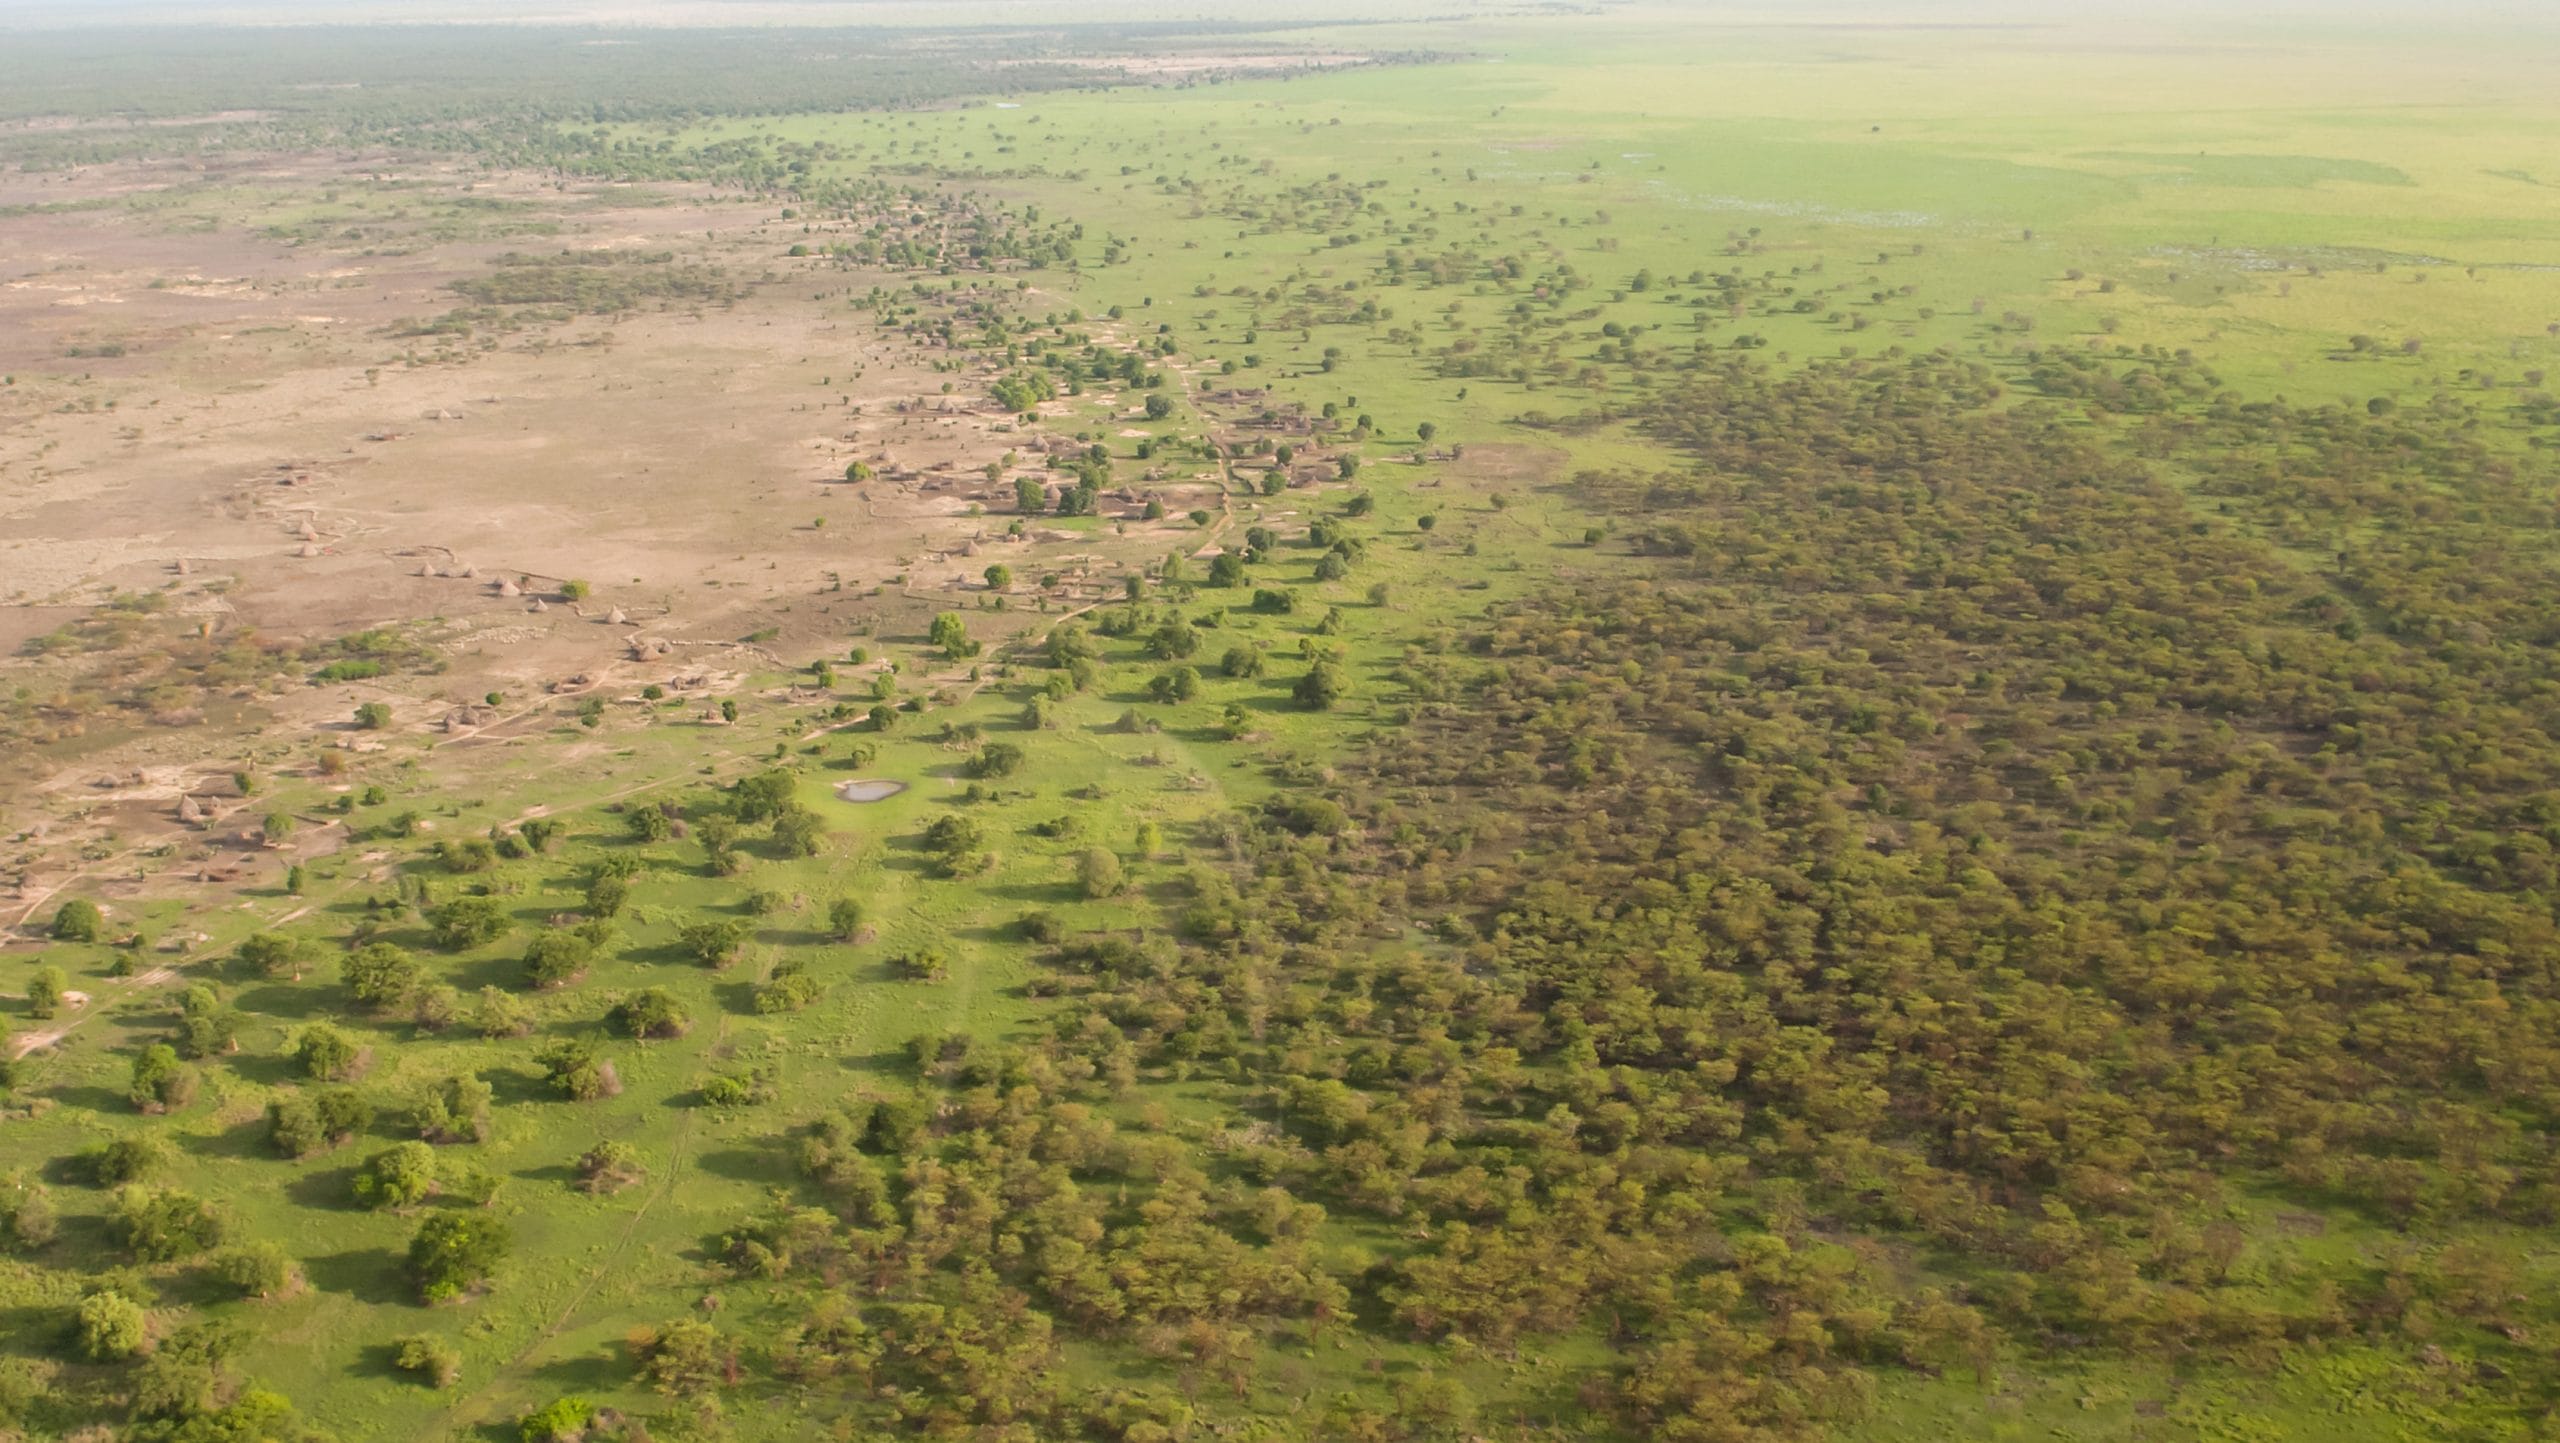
point(1594, 208)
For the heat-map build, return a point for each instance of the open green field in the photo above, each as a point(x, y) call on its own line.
point(1880, 768)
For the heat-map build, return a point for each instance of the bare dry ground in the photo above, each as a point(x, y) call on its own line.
point(209, 405)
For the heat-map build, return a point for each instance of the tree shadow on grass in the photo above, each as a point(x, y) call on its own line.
point(740, 1164)
point(367, 1275)
point(329, 1189)
point(93, 1099)
point(592, 1372)
point(299, 1002)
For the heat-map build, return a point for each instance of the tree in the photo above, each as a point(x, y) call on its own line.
point(1241, 662)
point(109, 1327)
point(1100, 875)
point(1173, 641)
point(607, 895)
point(160, 1225)
point(302, 1123)
point(714, 941)
point(649, 823)
point(78, 920)
point(277, 828)
point(380, 975)
point(28, 1218)
point(276, 954)
point(1322, 686)
point(400, 1176)
point(844, 918)
point(160, 1081)
point(373, 716)
point(857, 471)
point(498, 1013)
point(453, 1253)
point(467, 922)
point(574, 590)
point(999, 577)
point(1180, 684)
point(135, 1157)
point(1425, 431)
point(325, 1053)
point(575, 1072)
point(652, 1012)
point(763, 796)
point(44, 992)
point(996, 760)
point(1030, 497)
point(556, 958)
point(800, 832)
point(951, 633)
point(259, 1270)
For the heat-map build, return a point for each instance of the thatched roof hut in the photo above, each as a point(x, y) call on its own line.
point(616, 618)
point(189, 811)
point(508, 587)
point(308, 548)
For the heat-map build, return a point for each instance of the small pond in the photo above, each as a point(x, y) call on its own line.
point(875, 789)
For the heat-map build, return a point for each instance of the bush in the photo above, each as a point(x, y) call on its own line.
point(455, 1109)
point(790, 989)
point(610, 1167)
point(373, 716)
point(564, 1420)
point(1100, 875)
point(108, 1326)
point(844, 918)
point(135, 1157)
point(925, 964)
point(453, 1253)
point(428, 1357)
point(1241, 662)
point(500, 1014)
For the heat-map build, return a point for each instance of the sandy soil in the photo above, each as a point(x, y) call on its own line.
point(259, 443)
